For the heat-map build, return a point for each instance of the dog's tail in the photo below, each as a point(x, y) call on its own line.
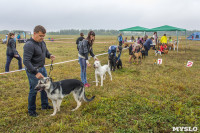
point(85, 98)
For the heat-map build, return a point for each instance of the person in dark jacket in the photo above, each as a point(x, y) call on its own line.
point(35, 52)
point(113, 50)
point(147, 45)
point(79, 39)
point(85, 47)
point(120, 39)
point(11, 52)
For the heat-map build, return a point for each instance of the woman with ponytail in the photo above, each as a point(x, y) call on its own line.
point(12, 52)
point(85, 47)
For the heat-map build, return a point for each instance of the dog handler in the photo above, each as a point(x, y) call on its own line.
point(35, 51)
point(85, 47)
point(113, 50)
point(11, 52)
point(147, 45)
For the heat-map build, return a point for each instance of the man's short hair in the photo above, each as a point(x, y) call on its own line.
point(39, 28)
point(152, 38)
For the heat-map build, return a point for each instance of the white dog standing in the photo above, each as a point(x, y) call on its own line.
point(101, 71)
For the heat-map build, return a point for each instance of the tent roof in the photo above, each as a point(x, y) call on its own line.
point(166, 28)
point(136, 28)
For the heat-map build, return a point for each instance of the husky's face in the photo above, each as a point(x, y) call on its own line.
point(43, 83)
point(97, 64)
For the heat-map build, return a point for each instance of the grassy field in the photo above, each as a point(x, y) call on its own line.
point(141, 98)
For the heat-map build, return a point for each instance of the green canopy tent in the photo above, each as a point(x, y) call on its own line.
point(168, 28)
point(136, 29)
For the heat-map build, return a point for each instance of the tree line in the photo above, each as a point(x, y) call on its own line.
point(109, 32)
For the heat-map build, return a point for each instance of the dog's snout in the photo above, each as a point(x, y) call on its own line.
point(36, 88)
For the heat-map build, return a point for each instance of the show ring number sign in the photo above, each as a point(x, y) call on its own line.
point(159, 61)
point(189, 64)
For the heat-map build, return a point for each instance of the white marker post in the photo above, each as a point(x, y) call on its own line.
point(189, 64)
point(159, 61)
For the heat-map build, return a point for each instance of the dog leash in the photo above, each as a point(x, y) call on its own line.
point(51, 68)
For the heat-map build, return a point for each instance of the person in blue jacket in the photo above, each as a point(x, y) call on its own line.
point(147, 45)
point(120, 39)
point(112, 50)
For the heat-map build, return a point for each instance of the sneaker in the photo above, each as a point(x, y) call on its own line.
point(86, 85)
point(33, 114)
point(47, 107)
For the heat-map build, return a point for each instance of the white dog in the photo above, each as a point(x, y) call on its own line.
point(101, 71)
point(157, 52)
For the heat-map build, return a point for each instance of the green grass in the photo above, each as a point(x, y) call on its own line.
point(141, 98)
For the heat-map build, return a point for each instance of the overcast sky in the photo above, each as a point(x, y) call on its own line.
point(98, 14)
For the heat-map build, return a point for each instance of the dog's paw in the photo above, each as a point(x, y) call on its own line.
point(52, 114)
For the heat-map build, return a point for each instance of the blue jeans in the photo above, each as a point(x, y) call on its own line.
point(83, 70)
point(33, 81)
point(9, 58)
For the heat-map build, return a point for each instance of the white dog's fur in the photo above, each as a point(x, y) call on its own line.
point(101, 71)
point(157, 52)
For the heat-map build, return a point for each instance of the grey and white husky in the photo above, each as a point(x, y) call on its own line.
point(56, 91)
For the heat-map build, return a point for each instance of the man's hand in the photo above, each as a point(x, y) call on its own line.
point(39, 76)
point(52, 57)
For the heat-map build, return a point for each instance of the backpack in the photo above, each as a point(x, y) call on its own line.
point(80, 45)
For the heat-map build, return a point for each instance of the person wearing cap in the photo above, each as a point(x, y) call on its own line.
point(85, 47)
point(79, 39)
point(147, 45)
point(120, 39)
point(112, 50)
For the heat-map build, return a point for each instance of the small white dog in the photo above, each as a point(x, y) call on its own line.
point(101, 71)
point(157, 52)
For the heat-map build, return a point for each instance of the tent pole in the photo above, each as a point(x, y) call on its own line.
point(177, 40)
point(185, 42)
point(144, 33)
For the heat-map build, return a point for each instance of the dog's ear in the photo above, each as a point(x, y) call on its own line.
point(48, 79)
point(41, 81)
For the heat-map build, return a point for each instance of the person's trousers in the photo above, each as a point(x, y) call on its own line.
point(146, 51)
point(83, 65)
point(33, 81)
point(120, 43)
point(9, 59)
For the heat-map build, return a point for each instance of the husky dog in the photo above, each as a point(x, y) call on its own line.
point(56, 91)
point(101, 70)
point(158, 52)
